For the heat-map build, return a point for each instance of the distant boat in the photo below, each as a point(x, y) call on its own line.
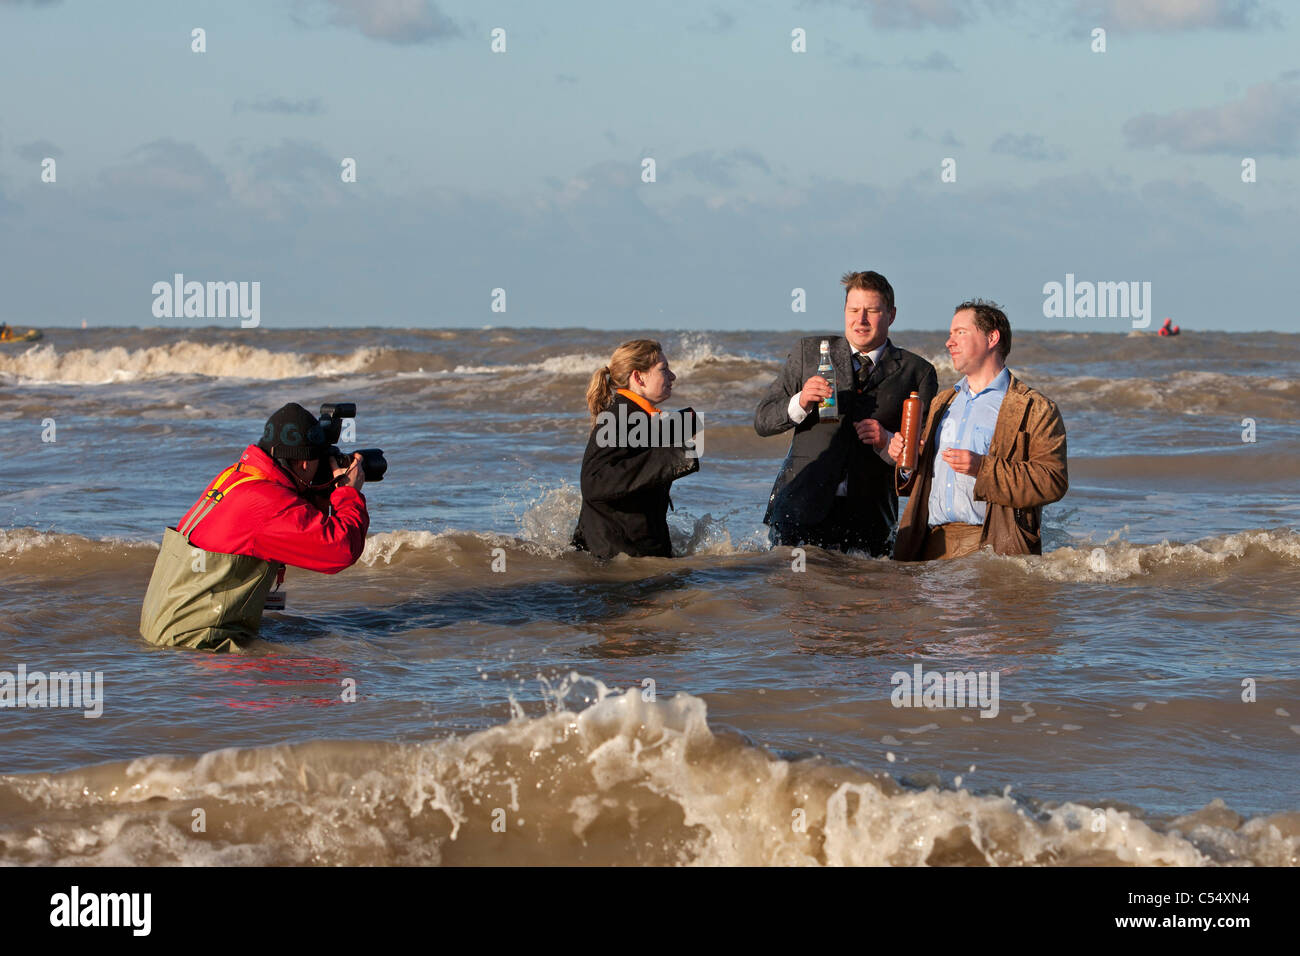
point(16, 335)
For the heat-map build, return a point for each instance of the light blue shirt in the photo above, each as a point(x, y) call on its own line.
point(968, 423)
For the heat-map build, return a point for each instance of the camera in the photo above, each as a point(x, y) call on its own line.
point(373, 463)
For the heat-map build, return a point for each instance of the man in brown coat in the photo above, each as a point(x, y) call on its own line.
point(992, 452)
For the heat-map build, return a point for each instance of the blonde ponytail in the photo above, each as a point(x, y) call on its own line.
point(639, 355)
point(599, 392)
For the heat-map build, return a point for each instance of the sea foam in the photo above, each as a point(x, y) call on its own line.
point(623, 779)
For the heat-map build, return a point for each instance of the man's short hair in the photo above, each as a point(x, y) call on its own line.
point(989, 317)
point(868, 282)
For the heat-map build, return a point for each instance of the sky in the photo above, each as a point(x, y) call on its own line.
point(960, 147)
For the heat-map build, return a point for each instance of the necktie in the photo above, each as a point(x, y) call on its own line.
point(861, 370)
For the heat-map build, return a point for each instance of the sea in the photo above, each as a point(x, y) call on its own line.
point(475, 691)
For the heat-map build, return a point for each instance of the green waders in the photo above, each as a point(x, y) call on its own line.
point(204, 599)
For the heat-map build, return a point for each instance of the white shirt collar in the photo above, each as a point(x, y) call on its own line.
point(874, 354)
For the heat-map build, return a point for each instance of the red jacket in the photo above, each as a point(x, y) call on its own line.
point(271, 520)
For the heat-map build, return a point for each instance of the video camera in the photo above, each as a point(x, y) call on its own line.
point(373, 463)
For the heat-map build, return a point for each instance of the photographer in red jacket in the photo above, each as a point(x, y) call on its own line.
point(216, 568)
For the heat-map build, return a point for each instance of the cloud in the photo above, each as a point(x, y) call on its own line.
point(718, 21)
point(918, 135)
point(281, 182)
point(604, 178)
point(166, 171)
point(1175, 15)
point(7, 208)
point(278, 104)
point(395, 21)
point(911, 14)
point(1265, 120)
point(1029, 147)
point(712, 169)
point(28, 3)
point(1130, 15)
point(936, 61)
point(36, 151)
point(857, 61)
point(565, 78)
point(581, 248)
point(292, 159)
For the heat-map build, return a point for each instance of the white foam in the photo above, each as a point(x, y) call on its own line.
point(43, 364)
point(453, 545)
point(550, 519)
point(582, 364)
point(694, 352)
point(1183, 392)
point(621, 779)
point(16, 541)
point(1121, 560)
point(942, 363)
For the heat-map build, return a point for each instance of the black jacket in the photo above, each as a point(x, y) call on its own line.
point(625, 493)
point(822, 454)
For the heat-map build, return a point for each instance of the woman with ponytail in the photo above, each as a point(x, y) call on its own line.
point(634, 454)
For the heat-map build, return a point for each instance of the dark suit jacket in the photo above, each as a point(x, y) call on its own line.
point(822, 454)
point(625, 494)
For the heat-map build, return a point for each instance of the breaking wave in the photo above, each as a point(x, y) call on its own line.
point(546, 529)
point(43, 364)
point(1123, 560)
point(622, 780)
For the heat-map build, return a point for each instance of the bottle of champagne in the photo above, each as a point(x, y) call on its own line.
point(828, 410)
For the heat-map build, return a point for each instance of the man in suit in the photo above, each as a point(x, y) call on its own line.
point(836, 487)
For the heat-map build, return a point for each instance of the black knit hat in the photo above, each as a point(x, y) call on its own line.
point(294, 433)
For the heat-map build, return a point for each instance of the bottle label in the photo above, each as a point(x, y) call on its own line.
point(826, 408)
point(827, 405)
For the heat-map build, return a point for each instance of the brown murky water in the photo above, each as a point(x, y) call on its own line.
point(716, 707)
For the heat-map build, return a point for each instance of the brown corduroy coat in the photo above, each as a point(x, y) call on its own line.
point(1025, 468)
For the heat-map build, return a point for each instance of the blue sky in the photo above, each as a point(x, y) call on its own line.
point(521, 170)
